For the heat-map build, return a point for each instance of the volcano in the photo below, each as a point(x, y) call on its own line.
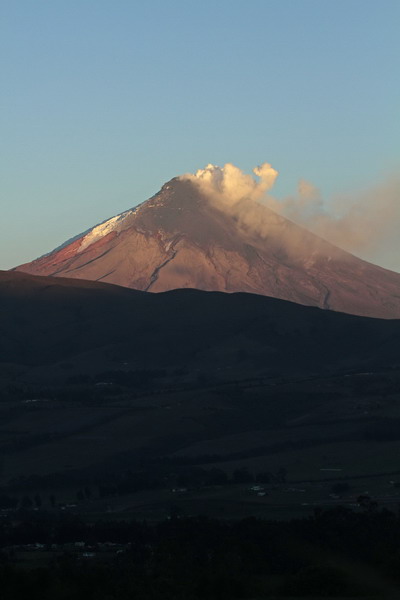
point(180, 238)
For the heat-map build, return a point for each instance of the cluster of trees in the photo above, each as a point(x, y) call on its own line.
point(190, 477)
point(8, 501)
point(335, 553)
point(126, 482)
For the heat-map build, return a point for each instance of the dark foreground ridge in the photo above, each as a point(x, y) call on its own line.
point(47, 320)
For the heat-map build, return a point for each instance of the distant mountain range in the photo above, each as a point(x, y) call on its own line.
point(179, 239)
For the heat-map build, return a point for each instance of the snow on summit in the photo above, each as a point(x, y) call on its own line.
point(104, 228)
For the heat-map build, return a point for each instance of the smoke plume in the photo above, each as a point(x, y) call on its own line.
point(365, 223)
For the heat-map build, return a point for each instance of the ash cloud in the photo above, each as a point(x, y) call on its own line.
point(365, 223)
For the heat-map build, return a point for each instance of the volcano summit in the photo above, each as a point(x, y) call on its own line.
point(210, 231)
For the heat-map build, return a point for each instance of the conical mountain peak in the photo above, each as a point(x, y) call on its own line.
point(210, 231)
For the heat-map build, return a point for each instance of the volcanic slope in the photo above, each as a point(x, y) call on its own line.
point(180, 239)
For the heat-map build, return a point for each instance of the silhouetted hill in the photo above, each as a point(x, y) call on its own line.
point(45, 320)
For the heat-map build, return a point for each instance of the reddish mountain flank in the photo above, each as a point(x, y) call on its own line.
point(181, 239)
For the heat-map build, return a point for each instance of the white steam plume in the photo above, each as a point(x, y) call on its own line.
point(366, 223)
point(229, 185)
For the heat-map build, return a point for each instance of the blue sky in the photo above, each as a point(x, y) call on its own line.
point(104, 101)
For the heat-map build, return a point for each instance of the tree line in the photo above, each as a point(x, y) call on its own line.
point(337, 552)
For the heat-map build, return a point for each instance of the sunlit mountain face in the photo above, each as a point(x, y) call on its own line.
point(211, 232)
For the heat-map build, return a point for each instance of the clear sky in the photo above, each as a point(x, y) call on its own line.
point(102, 101)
